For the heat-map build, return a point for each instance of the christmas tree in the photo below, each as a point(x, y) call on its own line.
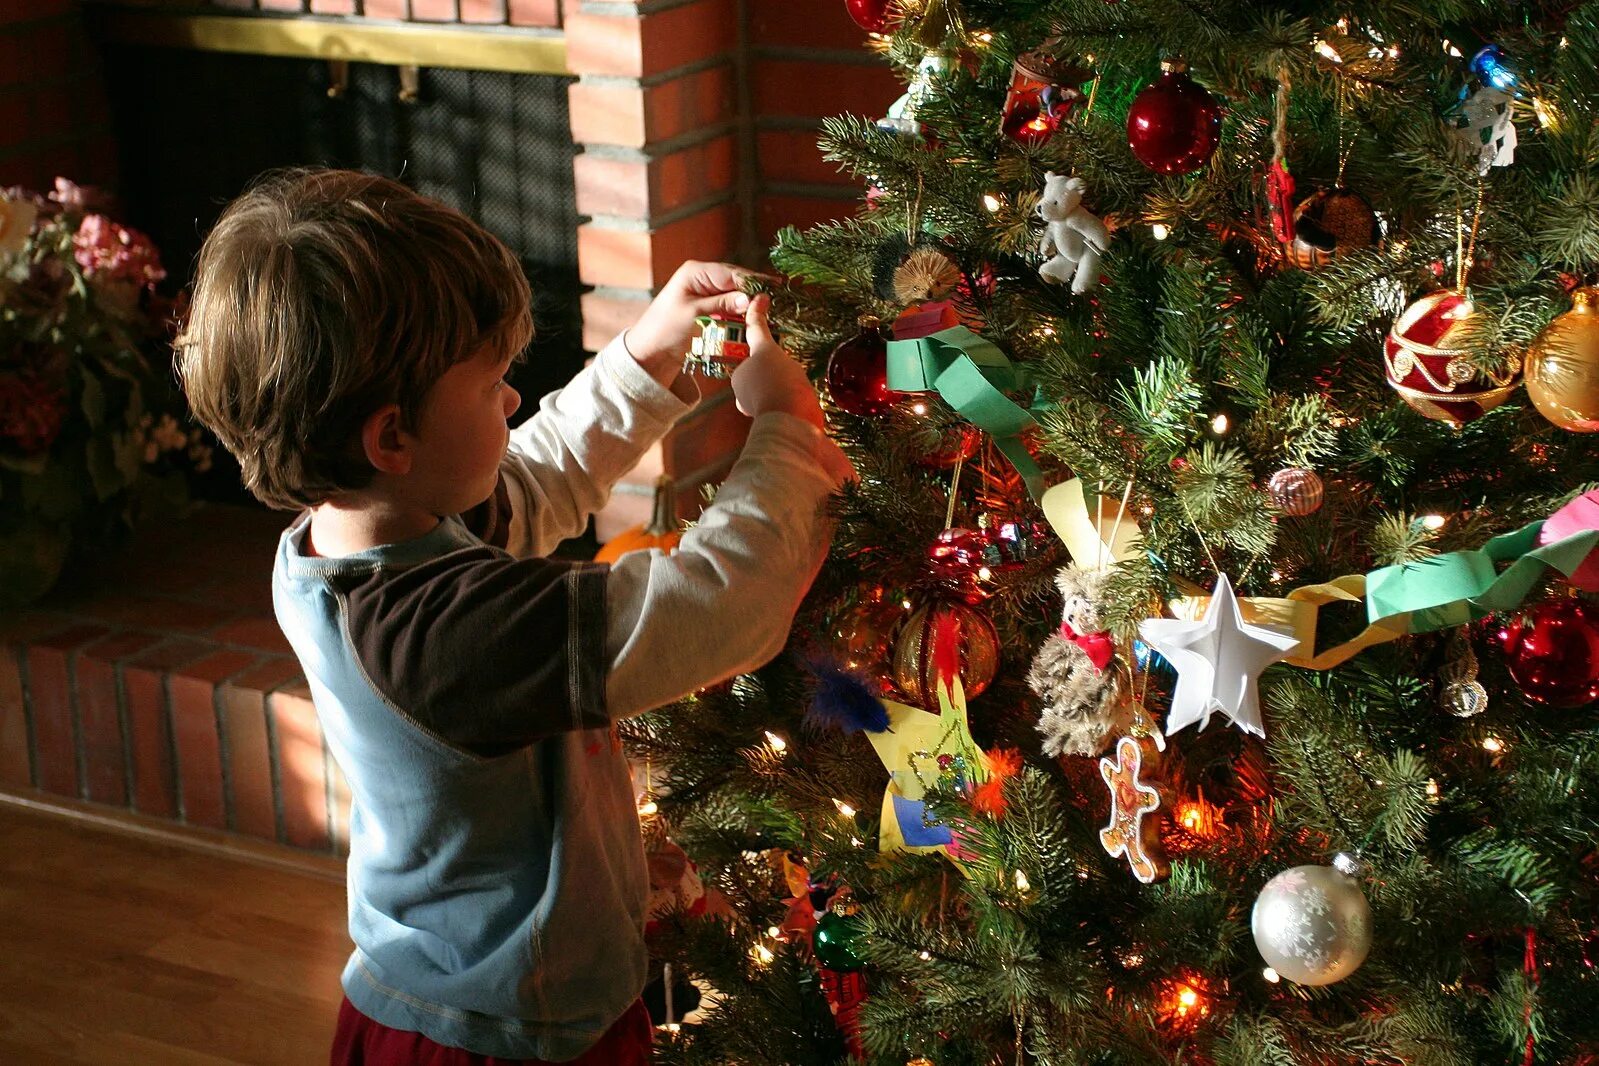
point(1202, 672)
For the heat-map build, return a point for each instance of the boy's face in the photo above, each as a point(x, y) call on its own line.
point(463, 433)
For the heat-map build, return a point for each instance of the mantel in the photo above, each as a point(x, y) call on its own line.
point(465, 47)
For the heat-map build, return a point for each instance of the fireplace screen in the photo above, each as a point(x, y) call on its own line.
point(193, 128)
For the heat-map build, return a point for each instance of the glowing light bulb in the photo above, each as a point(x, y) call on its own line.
point(1220, 424)
point(1022, 884)
point(927, 956)
point(1433, 522)
point(984, 573)
point(985, 37)
point(774, 932)
point(648, 807)
point(1328, 52)
point(1432, 788)
point(918, 408)
point(1271, 975)
point(843, 808)
point(763, 954)
point(991, 202)
point(775, 742)
point(1493, 744)
point(1160, 231)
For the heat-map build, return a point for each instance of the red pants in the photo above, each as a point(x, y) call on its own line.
point(360, 1041)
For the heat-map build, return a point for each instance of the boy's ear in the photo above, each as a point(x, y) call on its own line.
point(386, 444)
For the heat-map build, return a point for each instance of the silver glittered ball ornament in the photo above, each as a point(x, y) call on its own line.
point(1312, 923)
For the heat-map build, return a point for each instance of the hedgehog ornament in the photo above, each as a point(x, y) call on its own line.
point(1077, 674)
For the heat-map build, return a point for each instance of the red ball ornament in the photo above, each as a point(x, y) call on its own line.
point(1430, 372)
point(1296, 491)
point(915, 668)
point(873, 16)
point(956, 554)
point(857, 375)
point(1552, 651)
point(1173, 125)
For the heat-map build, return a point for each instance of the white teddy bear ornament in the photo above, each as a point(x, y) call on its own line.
point(1073, 238)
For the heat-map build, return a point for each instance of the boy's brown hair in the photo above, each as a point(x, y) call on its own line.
point(319, 297)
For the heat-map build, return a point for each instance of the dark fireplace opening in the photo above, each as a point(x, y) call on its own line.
point(193, 128)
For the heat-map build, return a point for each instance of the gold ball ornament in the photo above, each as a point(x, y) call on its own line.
point(1427, 367)
point(1329, 223)
point(914, 669)
point(1563, 366)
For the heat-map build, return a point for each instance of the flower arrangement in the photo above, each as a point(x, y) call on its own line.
point(91, 436)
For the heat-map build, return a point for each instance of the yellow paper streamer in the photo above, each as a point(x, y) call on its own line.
point(1093, 539)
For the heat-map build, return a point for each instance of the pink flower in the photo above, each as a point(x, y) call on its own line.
point(102, 247)
point(79, 198)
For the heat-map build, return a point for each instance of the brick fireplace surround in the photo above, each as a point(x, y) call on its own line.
point(154, 687)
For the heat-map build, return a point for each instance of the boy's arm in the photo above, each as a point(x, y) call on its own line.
point(563, 461)
point(723, 602)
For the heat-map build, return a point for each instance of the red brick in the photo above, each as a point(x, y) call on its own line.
point(642, 45)
point(100, 715)
point(632, 116)
point(643, 188)
point(154, 612)
point(192, 692)
point(249, 774)
point(333, 7)
point(814, 90)
point(302, 768)
point(705, 439)
point(15, 771)
point(605, 316)
point(175, 651)
point(775, 212)
point(21, 627)
point(793, 155)
point(606, 114)
point(262, 634)
point(154, 786)
point(805, 24)
point(49, 689)
point(612, 186)
point(433, 10)
point(640, 259)
point(535, 12)
point(611, 256)
point(710, 234)
point(492, 11)
point(384, 9)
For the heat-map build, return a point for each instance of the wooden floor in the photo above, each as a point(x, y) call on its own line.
point(125, 951)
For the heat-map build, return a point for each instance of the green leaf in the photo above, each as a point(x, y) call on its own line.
point(93, 401)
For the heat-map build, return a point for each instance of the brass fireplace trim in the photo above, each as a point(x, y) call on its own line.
point(517, 51)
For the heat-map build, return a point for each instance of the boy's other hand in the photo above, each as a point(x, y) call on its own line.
point(770, 379)
point(661, 335)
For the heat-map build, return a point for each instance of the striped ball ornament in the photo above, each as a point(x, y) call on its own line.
point(1296, 491)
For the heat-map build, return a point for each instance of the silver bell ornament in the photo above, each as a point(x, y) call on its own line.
point(1312, 923)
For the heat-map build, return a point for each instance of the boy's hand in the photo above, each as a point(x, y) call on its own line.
point(661, 335)
point(770, 379)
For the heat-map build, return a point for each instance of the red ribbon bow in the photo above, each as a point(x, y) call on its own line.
point(1100, 648)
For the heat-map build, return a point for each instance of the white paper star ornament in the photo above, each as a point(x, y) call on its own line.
point(1218, 660)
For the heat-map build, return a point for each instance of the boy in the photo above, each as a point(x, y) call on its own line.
point(348, 341)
